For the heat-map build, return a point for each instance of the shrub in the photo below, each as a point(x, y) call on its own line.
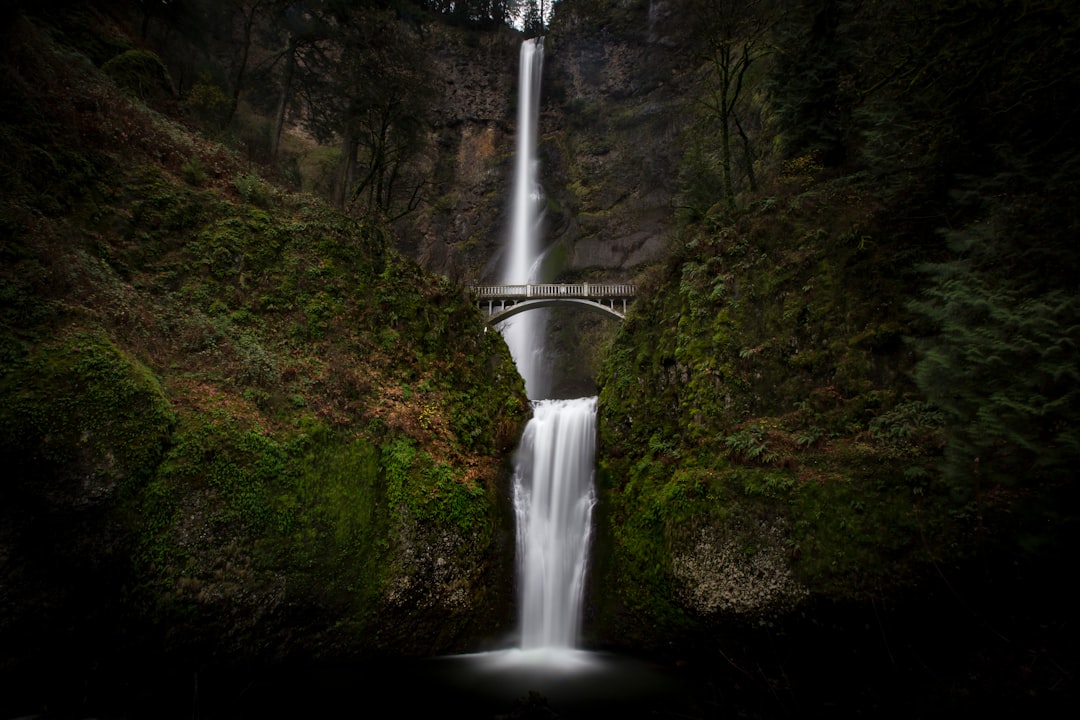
point(193, 171)
point(208, 103)
point(140, 72)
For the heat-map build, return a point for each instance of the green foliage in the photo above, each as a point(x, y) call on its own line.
point(865, 534)
point(909, 424)
point(774, 485)
point(242, 470)
point(749, 444)
point(429, 491)
point(208, 102)
point(809, 436)
point(397, 460)
point(252, 188)
point(78, 409)
point(998, 357)
point(1012, 425)
point(642, 506)
point(339, 540)
point(193, 171)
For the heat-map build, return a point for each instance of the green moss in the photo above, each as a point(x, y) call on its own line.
point(633, 563)
point(337, 545)
point(80, 410)
point(241, 468)
point(757, 377)
point(428, 491)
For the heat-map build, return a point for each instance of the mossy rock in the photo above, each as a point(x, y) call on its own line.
point(80, 418)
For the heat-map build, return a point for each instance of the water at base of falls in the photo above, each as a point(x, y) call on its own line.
point(568, 684)
point(571, 683)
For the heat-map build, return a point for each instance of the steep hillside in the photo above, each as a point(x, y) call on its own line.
point(850, 383)
point(415, 122)
point(235, 422)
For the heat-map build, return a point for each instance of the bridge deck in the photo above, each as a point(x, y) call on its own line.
point(555, 290)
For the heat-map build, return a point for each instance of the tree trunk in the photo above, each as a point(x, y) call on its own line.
point(286, 96)
point(727, 105)
point(748, 154)
point(238, 80)
point(346, 165)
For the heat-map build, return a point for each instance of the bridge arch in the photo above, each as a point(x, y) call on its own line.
point(524, 306)
point(504, 301)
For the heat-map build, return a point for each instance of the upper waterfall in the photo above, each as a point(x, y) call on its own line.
point(524, 334)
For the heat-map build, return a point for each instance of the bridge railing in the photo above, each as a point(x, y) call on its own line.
point(554, 290)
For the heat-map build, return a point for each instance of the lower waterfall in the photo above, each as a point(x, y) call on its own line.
point(553, 501)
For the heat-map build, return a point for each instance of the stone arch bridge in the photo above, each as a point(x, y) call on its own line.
point(501, 302)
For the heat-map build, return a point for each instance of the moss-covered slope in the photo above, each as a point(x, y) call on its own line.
point(760, 441)
point(233, 420)
point(855, 376)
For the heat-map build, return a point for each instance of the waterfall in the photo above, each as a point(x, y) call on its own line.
point(553, 500)
point(553, 479)
point(523, 332)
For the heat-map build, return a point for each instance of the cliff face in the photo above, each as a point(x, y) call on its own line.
point(459, 231)
point(608, 148)
point(611, 145)
point(611, 127)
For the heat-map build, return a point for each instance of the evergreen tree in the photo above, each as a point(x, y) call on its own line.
point(811, 87)
point(1003, 301)
point(532, 22)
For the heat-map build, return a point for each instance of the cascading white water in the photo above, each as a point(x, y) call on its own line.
point(522, 332)
point(553, 481)
point(553, 500)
